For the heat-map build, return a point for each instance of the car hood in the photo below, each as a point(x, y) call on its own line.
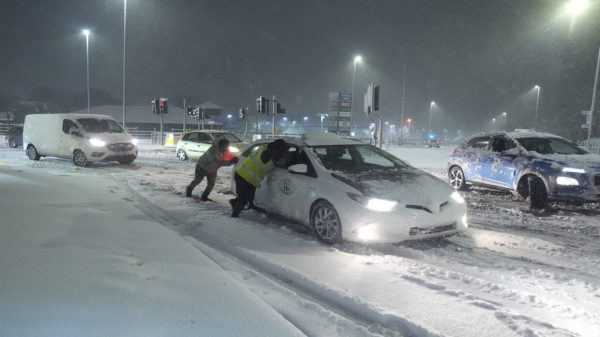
point(409, 186)
point(588, 162)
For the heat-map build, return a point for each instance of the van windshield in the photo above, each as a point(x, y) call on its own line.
point(94, 125)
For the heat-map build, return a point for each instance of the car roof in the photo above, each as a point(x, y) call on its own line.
point(519, 133)
point(209, 131)
point(315, 139)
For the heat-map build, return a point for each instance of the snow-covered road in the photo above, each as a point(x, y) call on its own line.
point(511, 274)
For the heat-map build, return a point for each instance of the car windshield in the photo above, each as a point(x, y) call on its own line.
point(353, 159)
point(95, 125)
point(229, 136)
point(550, 146)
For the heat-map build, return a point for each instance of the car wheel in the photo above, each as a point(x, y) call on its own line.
point(326, 222)
point(32, 153)
point(126, 161)
point(12, 143)
point(79, 158)
point(181, 154)
point(457, 178)
point(538, 197)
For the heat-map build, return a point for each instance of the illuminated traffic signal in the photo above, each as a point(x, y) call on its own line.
point(163, 106)
point(190, 111)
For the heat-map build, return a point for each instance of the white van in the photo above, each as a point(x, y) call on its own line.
point(85, 138)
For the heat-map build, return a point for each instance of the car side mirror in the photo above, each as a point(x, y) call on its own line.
point(298, 169)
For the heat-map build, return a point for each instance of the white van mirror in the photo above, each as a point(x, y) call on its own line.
point(298, 169)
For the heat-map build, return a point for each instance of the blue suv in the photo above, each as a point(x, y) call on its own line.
point(537, 166)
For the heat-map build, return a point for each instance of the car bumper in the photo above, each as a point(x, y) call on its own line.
point(361, 224)
point(588, 189)
point(103, 154)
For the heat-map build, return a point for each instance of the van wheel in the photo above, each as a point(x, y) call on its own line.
point(32, 153)
point(326, 222)
point(79, 158)
point(126, 161)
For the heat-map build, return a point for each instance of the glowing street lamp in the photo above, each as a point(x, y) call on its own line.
point(537, 103)
point(305, 119)
point(505, 115)
point(430, 110)
point(86, 32)
point(357, 60)
point(494, 124)
point(576, 7)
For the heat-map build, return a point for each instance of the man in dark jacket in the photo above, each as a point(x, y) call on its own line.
point(252, 171)
point(208, 165)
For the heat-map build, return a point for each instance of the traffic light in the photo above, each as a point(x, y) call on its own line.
point(155, 106)
point(261, 105)
point(190, 111)
point(280, 110)
point(163, 106)
point(242, 114)
point(376, 98)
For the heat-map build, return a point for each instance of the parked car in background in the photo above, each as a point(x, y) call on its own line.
point(14, 136)
point(83, 138)
point(194, 143)
point(537, 166)
point(433, 143)
point(345, 189)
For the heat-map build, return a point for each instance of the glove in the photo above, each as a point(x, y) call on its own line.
point(234, 160)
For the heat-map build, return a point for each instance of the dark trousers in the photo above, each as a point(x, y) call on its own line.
point(211, 178)
point(245, 194)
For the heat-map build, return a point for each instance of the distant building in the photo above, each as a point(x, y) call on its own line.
point(140, 117)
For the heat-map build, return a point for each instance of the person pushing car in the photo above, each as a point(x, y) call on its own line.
point(252, 171)
point(208, 165)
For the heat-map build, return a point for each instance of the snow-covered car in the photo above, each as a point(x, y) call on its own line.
point(193, 144)
point(349, 190)
point(537, 166)
point(14, 136)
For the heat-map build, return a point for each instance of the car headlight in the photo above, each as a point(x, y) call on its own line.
point(457, 197)
point(97, 142)
point(374, 204)
point(233, 149)
point(572, 170)
point(567, 181)
point(134, 141)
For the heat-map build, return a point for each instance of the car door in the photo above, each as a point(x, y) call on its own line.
point(502, 170)
point(67, 140)
point(473, 158)
point(290, 193)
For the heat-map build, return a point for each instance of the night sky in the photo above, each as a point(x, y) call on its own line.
point(474, 58)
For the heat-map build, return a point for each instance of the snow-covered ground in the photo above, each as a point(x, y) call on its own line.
point(512, 273)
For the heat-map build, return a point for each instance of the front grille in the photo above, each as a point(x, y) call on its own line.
point(597, 180)
point(438, 229)
point(120, 147)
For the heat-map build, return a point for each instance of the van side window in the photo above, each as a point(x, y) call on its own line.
point(67, 125)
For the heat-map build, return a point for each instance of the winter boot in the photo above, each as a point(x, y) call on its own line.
point(188, 192)
point(205, 198)
point(238, 206)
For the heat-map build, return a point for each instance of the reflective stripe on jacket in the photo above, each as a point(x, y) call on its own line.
point(252, 169)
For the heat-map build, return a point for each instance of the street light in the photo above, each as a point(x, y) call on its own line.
point(124, 59)
point(86, 32)
point(505, 115)
point(537, 103)
point(430, 110)
point(357, 59)
point(576, 7)
point(305, 119)
point(494, 124)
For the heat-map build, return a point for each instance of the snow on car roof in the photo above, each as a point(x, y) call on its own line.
point(316, 139)
point(518, 133)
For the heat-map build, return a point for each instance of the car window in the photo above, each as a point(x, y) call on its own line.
point(67, 125)
point(229, 136)
point(501, 144)
point(479, 142)
point(355, 158)
point(96, 125)
point(191, 137)
point(550, 146)
point(204, 138)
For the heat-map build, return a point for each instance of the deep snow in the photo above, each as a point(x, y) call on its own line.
point(511, 274)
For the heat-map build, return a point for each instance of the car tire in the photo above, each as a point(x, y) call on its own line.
point(181, 155)
point(126, 161)
point(538, 197)
point(12, 143)
point(79, 158)
point(32, 153)
point(456, 177)
point(326, 222)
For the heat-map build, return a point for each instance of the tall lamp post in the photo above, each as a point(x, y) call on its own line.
point(124, 49)
point(86, 32)
point(505, 115)
point(357, 59)
point(494, 124)
point(537, 104)
point(430, 110)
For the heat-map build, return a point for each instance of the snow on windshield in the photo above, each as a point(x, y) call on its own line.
point(94, 125)
point(355, 158)
point(550, 146)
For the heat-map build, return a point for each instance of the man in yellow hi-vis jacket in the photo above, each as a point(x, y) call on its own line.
point(252, 171)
